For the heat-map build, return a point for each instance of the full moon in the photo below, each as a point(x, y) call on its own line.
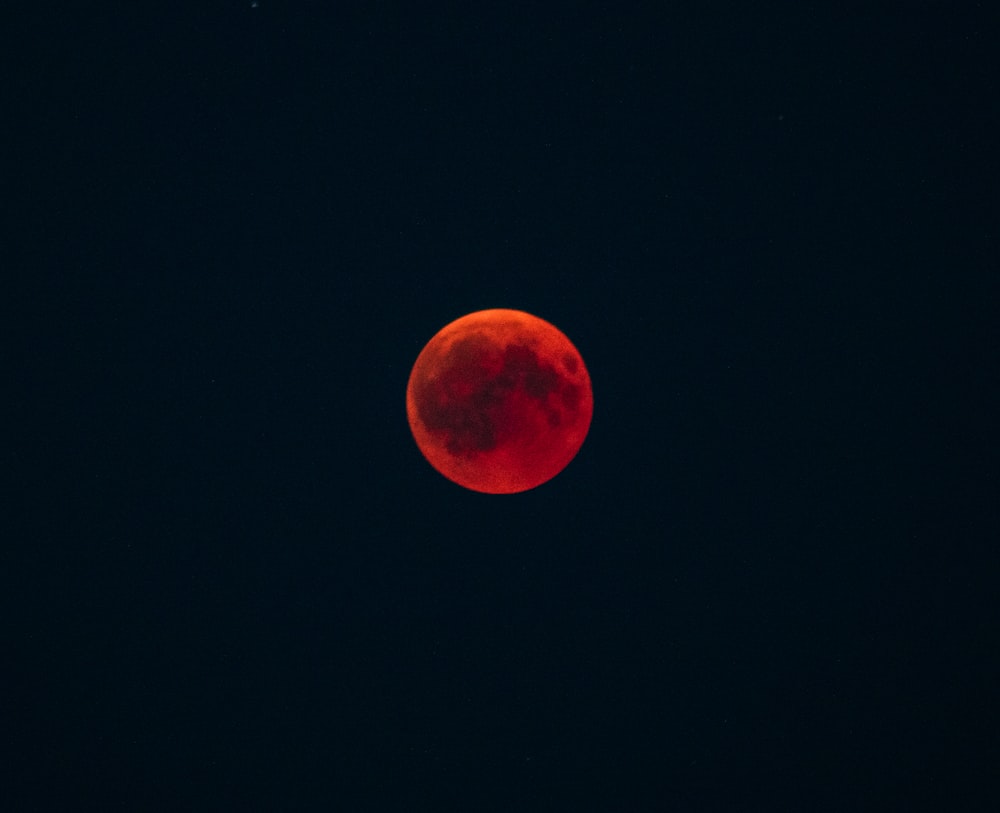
point(499, 401)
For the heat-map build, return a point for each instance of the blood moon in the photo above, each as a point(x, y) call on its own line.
point(499, 401)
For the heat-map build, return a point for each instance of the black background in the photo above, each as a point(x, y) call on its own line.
point(767, 580)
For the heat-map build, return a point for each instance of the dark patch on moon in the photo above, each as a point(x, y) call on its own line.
point(470, 402)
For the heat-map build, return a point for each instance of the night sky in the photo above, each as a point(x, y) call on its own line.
point(768, 581)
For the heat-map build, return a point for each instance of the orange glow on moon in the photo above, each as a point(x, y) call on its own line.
point(499, 401)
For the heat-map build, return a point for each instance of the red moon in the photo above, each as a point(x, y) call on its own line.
point(499, 401)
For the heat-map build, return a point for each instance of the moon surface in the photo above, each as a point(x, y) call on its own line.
point(499, 401)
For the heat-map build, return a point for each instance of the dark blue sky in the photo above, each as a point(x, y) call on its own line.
point(767, 580)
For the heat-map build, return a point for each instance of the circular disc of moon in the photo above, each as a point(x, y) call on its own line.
point(499, 401)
